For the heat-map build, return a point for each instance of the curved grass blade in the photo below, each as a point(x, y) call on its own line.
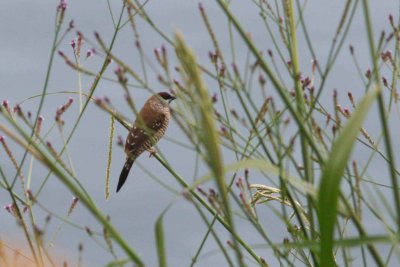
point(332, 175)
point(263, 165)
point(160, 241)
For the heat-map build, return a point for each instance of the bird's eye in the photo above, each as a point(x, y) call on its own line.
point(166, 96)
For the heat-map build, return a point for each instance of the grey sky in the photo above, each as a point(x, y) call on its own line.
point(26, 30)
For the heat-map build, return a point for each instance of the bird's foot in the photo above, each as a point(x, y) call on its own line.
point(152, 151)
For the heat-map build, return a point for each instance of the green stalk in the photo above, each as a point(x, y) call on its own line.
point(382, 113)
point(91, 92)
point(81, 195)
point(208, 135)
point(309, 174)
point(185, 185)
point(279, 88)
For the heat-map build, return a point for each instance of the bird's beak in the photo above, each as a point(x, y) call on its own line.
point(171, 99)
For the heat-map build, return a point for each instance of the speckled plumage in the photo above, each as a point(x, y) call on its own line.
point(149, 126)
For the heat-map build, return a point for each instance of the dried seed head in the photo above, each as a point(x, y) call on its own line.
point(73, 205)
point(90, 52)
point(261, 80)
point(71, 25)
point(30, 195)
point(328, 119)
point(384, 81)
point(12, 209)
point(234, 113)
point(314, 64)
point(213, 57)
point(350, 95)
point(351, 50)
point(120, 141)
point(88, 231)
point(201, 190)
point(98, 101)
point(239, 183)
point(6, 105)
point(72, 43)
point(201, 7)
point(17, 109)
point(391, 21)
point(62, 6)
point(368, 74)
point(214, 98)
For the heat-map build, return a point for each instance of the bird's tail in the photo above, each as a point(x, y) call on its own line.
point(124, 173)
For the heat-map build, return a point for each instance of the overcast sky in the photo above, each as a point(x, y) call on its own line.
point(27, 31)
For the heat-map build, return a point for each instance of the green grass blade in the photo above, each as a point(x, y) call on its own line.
point(160, 241)
point(203, 110)
point(118, 263)
point(208, 136)
point(263, 165)
point(162, 259)
point(332, 175)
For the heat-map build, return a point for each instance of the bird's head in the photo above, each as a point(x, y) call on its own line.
point(166, 96)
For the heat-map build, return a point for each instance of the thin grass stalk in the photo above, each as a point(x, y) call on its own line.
point(38, 260)
point(208, 136)
point(382, 113)
point(81, 195)
point(309, 174)
point(259, 228)
point(333, 56)
point(332, 174)
point(91, 91)
point(212, 231)
point(139, 9)
point(374, 253)
point(279, 88)
point(223, 96)
point(215, 213)
point(58, 24)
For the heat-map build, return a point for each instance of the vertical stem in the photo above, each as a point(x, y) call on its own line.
point(382, 113)
point(305, 150)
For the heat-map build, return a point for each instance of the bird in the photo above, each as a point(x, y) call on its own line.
point(150, 125)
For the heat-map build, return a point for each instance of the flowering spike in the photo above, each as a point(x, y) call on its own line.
point(71, 25)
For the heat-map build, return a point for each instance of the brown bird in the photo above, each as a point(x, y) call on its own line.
point(148, 128)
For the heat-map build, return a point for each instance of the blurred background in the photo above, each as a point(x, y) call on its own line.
point(27, 32)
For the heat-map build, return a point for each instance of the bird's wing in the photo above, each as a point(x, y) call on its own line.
point(138, 138)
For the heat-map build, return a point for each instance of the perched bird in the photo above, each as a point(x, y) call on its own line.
point(148, 128)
